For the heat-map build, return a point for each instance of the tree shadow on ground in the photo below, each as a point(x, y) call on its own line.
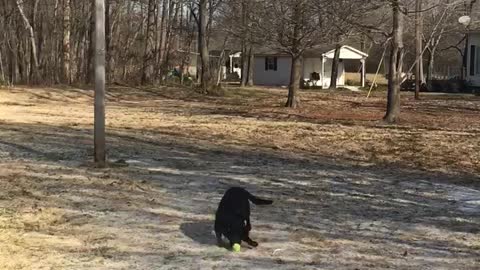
point(200, 232)
point(319, 202)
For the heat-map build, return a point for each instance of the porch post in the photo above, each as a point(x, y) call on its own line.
point(322, 74)
point(231, 63)
point(362, 79)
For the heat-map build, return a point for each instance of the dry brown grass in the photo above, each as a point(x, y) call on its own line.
point(347, 185)
point(355, 77)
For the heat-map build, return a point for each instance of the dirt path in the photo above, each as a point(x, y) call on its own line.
point(57, 212)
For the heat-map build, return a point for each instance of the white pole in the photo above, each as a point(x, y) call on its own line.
point(323, 71)
point(363, 72)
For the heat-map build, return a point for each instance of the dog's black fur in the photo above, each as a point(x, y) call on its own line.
point(233, 216)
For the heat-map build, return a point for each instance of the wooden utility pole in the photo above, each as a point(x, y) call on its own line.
point(418, 48)
point(99, 132)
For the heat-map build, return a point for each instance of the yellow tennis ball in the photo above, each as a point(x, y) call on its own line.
point(236, 247)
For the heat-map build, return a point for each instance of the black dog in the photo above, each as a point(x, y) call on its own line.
point(233, 216)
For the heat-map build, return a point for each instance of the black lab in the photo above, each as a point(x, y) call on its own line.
point(232, 219)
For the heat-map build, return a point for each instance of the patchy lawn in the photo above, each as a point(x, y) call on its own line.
point(350, 192)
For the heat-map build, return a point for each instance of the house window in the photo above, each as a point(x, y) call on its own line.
point(472, 60)
point(270, 63)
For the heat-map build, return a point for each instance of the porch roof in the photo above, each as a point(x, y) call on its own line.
point(346, 52)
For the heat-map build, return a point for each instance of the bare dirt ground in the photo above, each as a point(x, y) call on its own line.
point(350, 192)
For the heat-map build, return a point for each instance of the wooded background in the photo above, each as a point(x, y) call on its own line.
point(51, 41)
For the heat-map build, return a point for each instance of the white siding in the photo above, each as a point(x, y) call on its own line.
point(279, 77)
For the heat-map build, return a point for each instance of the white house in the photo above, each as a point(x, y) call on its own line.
point(273, 69)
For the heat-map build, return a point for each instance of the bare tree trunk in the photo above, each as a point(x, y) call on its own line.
point(295, 77)
point(54, 44)
point(22, 64)
point(66, 78)
point(169, 39)
point(244, 65)
point(34, 26)
point(464, 57)
point(99, 133)
point(108, 40)
point(430, 68)
point(245, 58)
point(335, 62)
point(33, 43)
point(296, 67)
point(162, 42)
point(91, 48)
point(418, 48)
point(396, 64)
point(206, 76)
point(433, 49)
point(13, 61)
point(198, 58)
point(14, 73)
point(251, 63)
point(148, 48)
point(2, 72)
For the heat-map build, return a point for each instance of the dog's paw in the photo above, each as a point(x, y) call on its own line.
point(253, 243)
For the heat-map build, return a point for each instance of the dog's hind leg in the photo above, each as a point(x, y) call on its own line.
point(247, 238)
point(250, 241)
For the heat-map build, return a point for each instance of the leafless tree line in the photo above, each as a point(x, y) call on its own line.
point(52, 41)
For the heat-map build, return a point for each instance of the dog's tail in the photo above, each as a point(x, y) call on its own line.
point(258, 201)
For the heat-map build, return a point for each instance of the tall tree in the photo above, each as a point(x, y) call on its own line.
point(244, 57)
point(251, 63)
point(291, 27)
point(99, 130)
point(108, 41)
point(396, 63)
point(148, 46)
point(296, 68)
point(34, 75)
point(206, 74)
point(418, 48)
point(335, 64)
point(2, 72)
point(66, 78)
